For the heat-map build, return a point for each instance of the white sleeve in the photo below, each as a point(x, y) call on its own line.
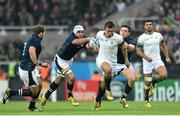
point(140, 41)
point(161, 37)
point(119, 39)
point(98, 35)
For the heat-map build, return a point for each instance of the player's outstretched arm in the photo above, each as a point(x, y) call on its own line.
point(92, 48)
point(80, 41)
point(130, 47)
point(125, 54)
point(93, 44)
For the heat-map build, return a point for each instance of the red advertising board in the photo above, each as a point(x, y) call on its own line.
point(85, 90)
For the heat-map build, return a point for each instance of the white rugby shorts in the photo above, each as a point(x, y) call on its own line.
point(29, 77)
point(148, 67)
point(62, 64)
point(99, 62)
point(120, 67)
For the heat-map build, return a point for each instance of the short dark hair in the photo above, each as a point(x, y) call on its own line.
point(127, 26)
point(148, 20)
point(38, 29)
point(109, 24)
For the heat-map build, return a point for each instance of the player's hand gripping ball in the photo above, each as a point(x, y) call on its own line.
point(94, 42)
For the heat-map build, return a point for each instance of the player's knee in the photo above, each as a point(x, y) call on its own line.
point(107, 73)
point(131, 81)
point(163, 76)
point(70, 76)
point(147, 82)
point(147, 85)
point(40, 87)
point(58, 80)
point(107, 69)
point(102, 83)
point(71, 79)
point(35, 89)
point(130, 77)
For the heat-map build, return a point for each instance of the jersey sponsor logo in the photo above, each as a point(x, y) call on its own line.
point(112, 44)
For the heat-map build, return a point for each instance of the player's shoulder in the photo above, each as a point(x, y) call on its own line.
point(157, 33)
point(129, 40)
point(31, 39)
point(117, 36)
point(34, 40)
point(34, 37)
point(100, 33)
point(71, 35)
point(142, 36)
point(70, 38)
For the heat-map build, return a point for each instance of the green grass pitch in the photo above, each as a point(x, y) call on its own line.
point(107, 108)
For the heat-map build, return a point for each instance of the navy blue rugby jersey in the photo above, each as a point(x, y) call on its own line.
point(120, 57)
point(68, 50)
point(26, 62)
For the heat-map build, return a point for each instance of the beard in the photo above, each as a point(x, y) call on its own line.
point(149, 30)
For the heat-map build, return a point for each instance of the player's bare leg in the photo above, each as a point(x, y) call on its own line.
point(108, 89)
point(107, 74)
point(33, 91)
point(130, 75)
point(70, 85)
point(101, 93)
point(7, 95)
point(147, 83)
point(53, 86)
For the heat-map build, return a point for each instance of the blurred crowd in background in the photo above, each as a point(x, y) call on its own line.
point(58, 12)
point(87, 13)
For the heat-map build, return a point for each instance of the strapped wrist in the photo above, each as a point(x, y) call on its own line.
point(126, 59)
point(39, 63)
point(167, 58)
point(144, 56)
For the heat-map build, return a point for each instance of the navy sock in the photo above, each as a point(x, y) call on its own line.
point(154, 81)
point(23, 92)
point(101, 93)
point(146, 94)
point(108, 82)
point(53, 87)
point(14, 92)
point(70, 87)
point(127, 91)
point(32, 103)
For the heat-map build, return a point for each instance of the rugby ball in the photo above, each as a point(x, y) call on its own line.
point(94, 42)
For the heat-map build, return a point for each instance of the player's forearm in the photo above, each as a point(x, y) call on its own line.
point(80, 41)
point(165, 50)
point(130, 47)
point(140, 53)
point(124, 52)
